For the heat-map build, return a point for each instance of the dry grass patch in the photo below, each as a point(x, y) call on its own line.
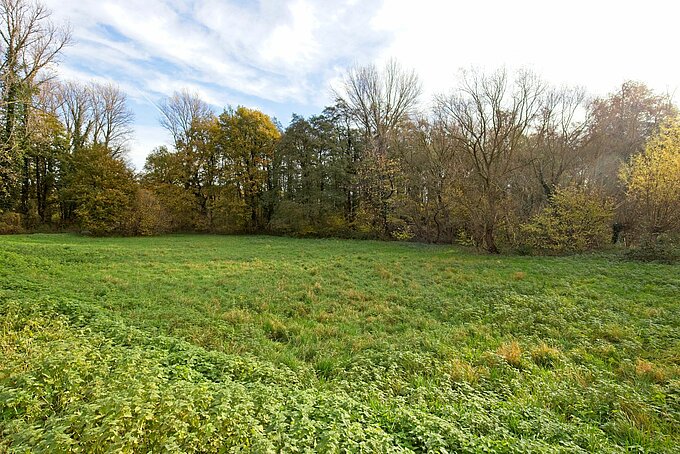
point(650, 371)
point(511, 352)
point(355, 295)
point(545, 355)
point(383, 272)
point(461, 371)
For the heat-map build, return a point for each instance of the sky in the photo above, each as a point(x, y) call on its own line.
point(283, 56)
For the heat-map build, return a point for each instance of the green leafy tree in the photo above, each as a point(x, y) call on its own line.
point(43, 158)
point(165, 175)
point(311, 172)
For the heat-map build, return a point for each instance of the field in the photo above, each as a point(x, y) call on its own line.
point(264, 344)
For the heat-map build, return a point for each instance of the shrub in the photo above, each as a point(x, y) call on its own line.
point(10, 223)
point(152, 218)
point(576, 220)
point(289, 218)
point(662, 248)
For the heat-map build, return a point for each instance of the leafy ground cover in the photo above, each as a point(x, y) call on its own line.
point(263, 344)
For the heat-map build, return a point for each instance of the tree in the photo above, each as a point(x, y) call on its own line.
point(433, 169)
point(186, 179)
point(165, 174)
point(379, 102)
point(181, 112)
point(622, 124)
point(29, 43)
point(558, 147)
point(652, 181)
point(299, 178)
point(489, 118)
point(111, 118)
point(103, 191)
point(343, 136)
point(247, 138)
point(312, 172)
point(95, 114)
point(76, 112)
point(43, 157)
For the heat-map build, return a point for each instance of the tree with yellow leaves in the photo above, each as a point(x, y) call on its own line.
point(247, 139)
point(653, 181)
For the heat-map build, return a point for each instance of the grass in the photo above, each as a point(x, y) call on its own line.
point(218, 343)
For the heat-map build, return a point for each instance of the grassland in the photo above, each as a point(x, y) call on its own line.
point(215, 344)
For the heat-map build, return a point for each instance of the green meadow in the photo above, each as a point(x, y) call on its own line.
point(194, 343)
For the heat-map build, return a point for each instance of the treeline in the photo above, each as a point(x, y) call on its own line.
point(502, 162)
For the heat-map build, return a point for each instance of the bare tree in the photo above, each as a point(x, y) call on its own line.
point(558, 146)
point(379, 100)
point(622, 124)
point(434, 170)
point(489, 117)
point(111, 117)
point(180, 112)
point(29, 43)
point(76, 113)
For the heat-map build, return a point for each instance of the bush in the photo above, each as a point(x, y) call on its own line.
point(289, 219)
point(307, 220)
point(151, 217)
point(576, 220)
point(10, 223)
point(661, 248)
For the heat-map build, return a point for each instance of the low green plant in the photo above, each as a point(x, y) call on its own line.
point(663, 248)
point(264, 344)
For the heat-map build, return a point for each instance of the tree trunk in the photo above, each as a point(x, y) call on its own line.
point(25, 188)
point(489, 240)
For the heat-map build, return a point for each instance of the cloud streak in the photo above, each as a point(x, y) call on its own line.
point(278, 51)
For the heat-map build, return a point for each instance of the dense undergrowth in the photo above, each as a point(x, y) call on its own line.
point(260, 344)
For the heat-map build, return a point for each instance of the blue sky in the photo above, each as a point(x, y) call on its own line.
point(283, 56)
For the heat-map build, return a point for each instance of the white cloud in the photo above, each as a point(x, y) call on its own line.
point(597, 44)
point(293, 43)
point(272, 50)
